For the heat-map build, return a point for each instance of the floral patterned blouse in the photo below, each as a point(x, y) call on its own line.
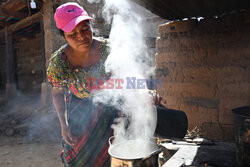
point(62, 74)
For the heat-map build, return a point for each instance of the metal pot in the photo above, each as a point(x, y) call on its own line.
point(241, 117)
point(134, 153)
point(171, 123)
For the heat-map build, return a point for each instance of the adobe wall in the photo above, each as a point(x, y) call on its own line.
point(205, 67)
point(29, 64)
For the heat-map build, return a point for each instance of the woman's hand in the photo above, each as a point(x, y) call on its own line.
point(58, 99)
point(157, 99)
point(67, 135)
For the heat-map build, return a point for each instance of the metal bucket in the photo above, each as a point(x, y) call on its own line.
point(134, 153)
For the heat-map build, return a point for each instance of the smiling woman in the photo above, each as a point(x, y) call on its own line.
point(85, 126)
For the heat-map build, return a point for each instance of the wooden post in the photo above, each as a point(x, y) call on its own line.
point(10, 90)
point(43, 50)
point(47, 46)
point(47, 24)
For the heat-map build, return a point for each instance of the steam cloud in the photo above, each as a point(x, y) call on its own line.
point(128, 58)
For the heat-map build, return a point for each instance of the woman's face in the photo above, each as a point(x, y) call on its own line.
point(80, 38)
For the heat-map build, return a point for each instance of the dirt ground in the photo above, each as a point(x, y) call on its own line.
point(19, 152)
point(29, 134)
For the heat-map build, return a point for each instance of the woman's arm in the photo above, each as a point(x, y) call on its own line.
point(58, 100)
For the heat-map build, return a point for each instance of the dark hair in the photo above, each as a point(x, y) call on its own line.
point(62, 32)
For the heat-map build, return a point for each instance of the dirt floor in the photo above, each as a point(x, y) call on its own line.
point(19, 152)
point(30, 135)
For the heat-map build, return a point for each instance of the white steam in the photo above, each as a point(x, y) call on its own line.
point(128, 58)
point(94, 1)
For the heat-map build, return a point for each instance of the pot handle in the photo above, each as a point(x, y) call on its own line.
point(153, 153)
point(112, 137)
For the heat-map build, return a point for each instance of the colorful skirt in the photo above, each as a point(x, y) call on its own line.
point(91, 124)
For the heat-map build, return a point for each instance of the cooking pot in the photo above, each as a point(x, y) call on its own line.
point(241, 116)
point(134, 153)
point(171, 123)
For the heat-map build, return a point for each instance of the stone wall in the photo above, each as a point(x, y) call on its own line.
point(205, 67)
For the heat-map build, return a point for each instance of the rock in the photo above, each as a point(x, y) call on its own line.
point(9, 132)
point(13, 122)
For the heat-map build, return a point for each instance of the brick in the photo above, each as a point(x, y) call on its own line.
point(188, 109)
point(226, 119)
point(202, 115)
point(212, 131)
point(231, 74)
point(171, 71)
point(229, 103)
point(190, 89)
point(226, 106)
point(221, 75)
point(228, 132)
point(199, 74)
point(177, 26)
point(198, 115)
point(208, 60)
point(162, 71)
point(203, 102)
point(225, 56)
point(159, 44)
point(234, 90)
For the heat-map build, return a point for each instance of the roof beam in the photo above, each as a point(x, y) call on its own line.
point(23, 23)
point(14, 5)
point(3, 24)
point(13, 13)
point(10, 9)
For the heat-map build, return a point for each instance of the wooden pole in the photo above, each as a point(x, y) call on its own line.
point(47, 44)
point(43, 50)
point(10, 65)
point(47, 26)
point(8, 58)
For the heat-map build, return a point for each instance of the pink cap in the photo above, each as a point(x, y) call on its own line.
point(68, 15)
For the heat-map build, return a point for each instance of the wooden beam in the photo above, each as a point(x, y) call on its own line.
point(11, 8)
point(15, 5)
point(13, 13)
point(7, 16)
point(4, 24)
point(23, 23)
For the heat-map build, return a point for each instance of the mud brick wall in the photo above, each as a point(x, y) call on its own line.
point(29, 64)
point(205, 68)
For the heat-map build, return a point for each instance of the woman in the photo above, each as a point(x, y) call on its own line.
point(85, 126)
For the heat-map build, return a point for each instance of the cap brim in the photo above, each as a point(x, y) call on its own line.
point(74, 22)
